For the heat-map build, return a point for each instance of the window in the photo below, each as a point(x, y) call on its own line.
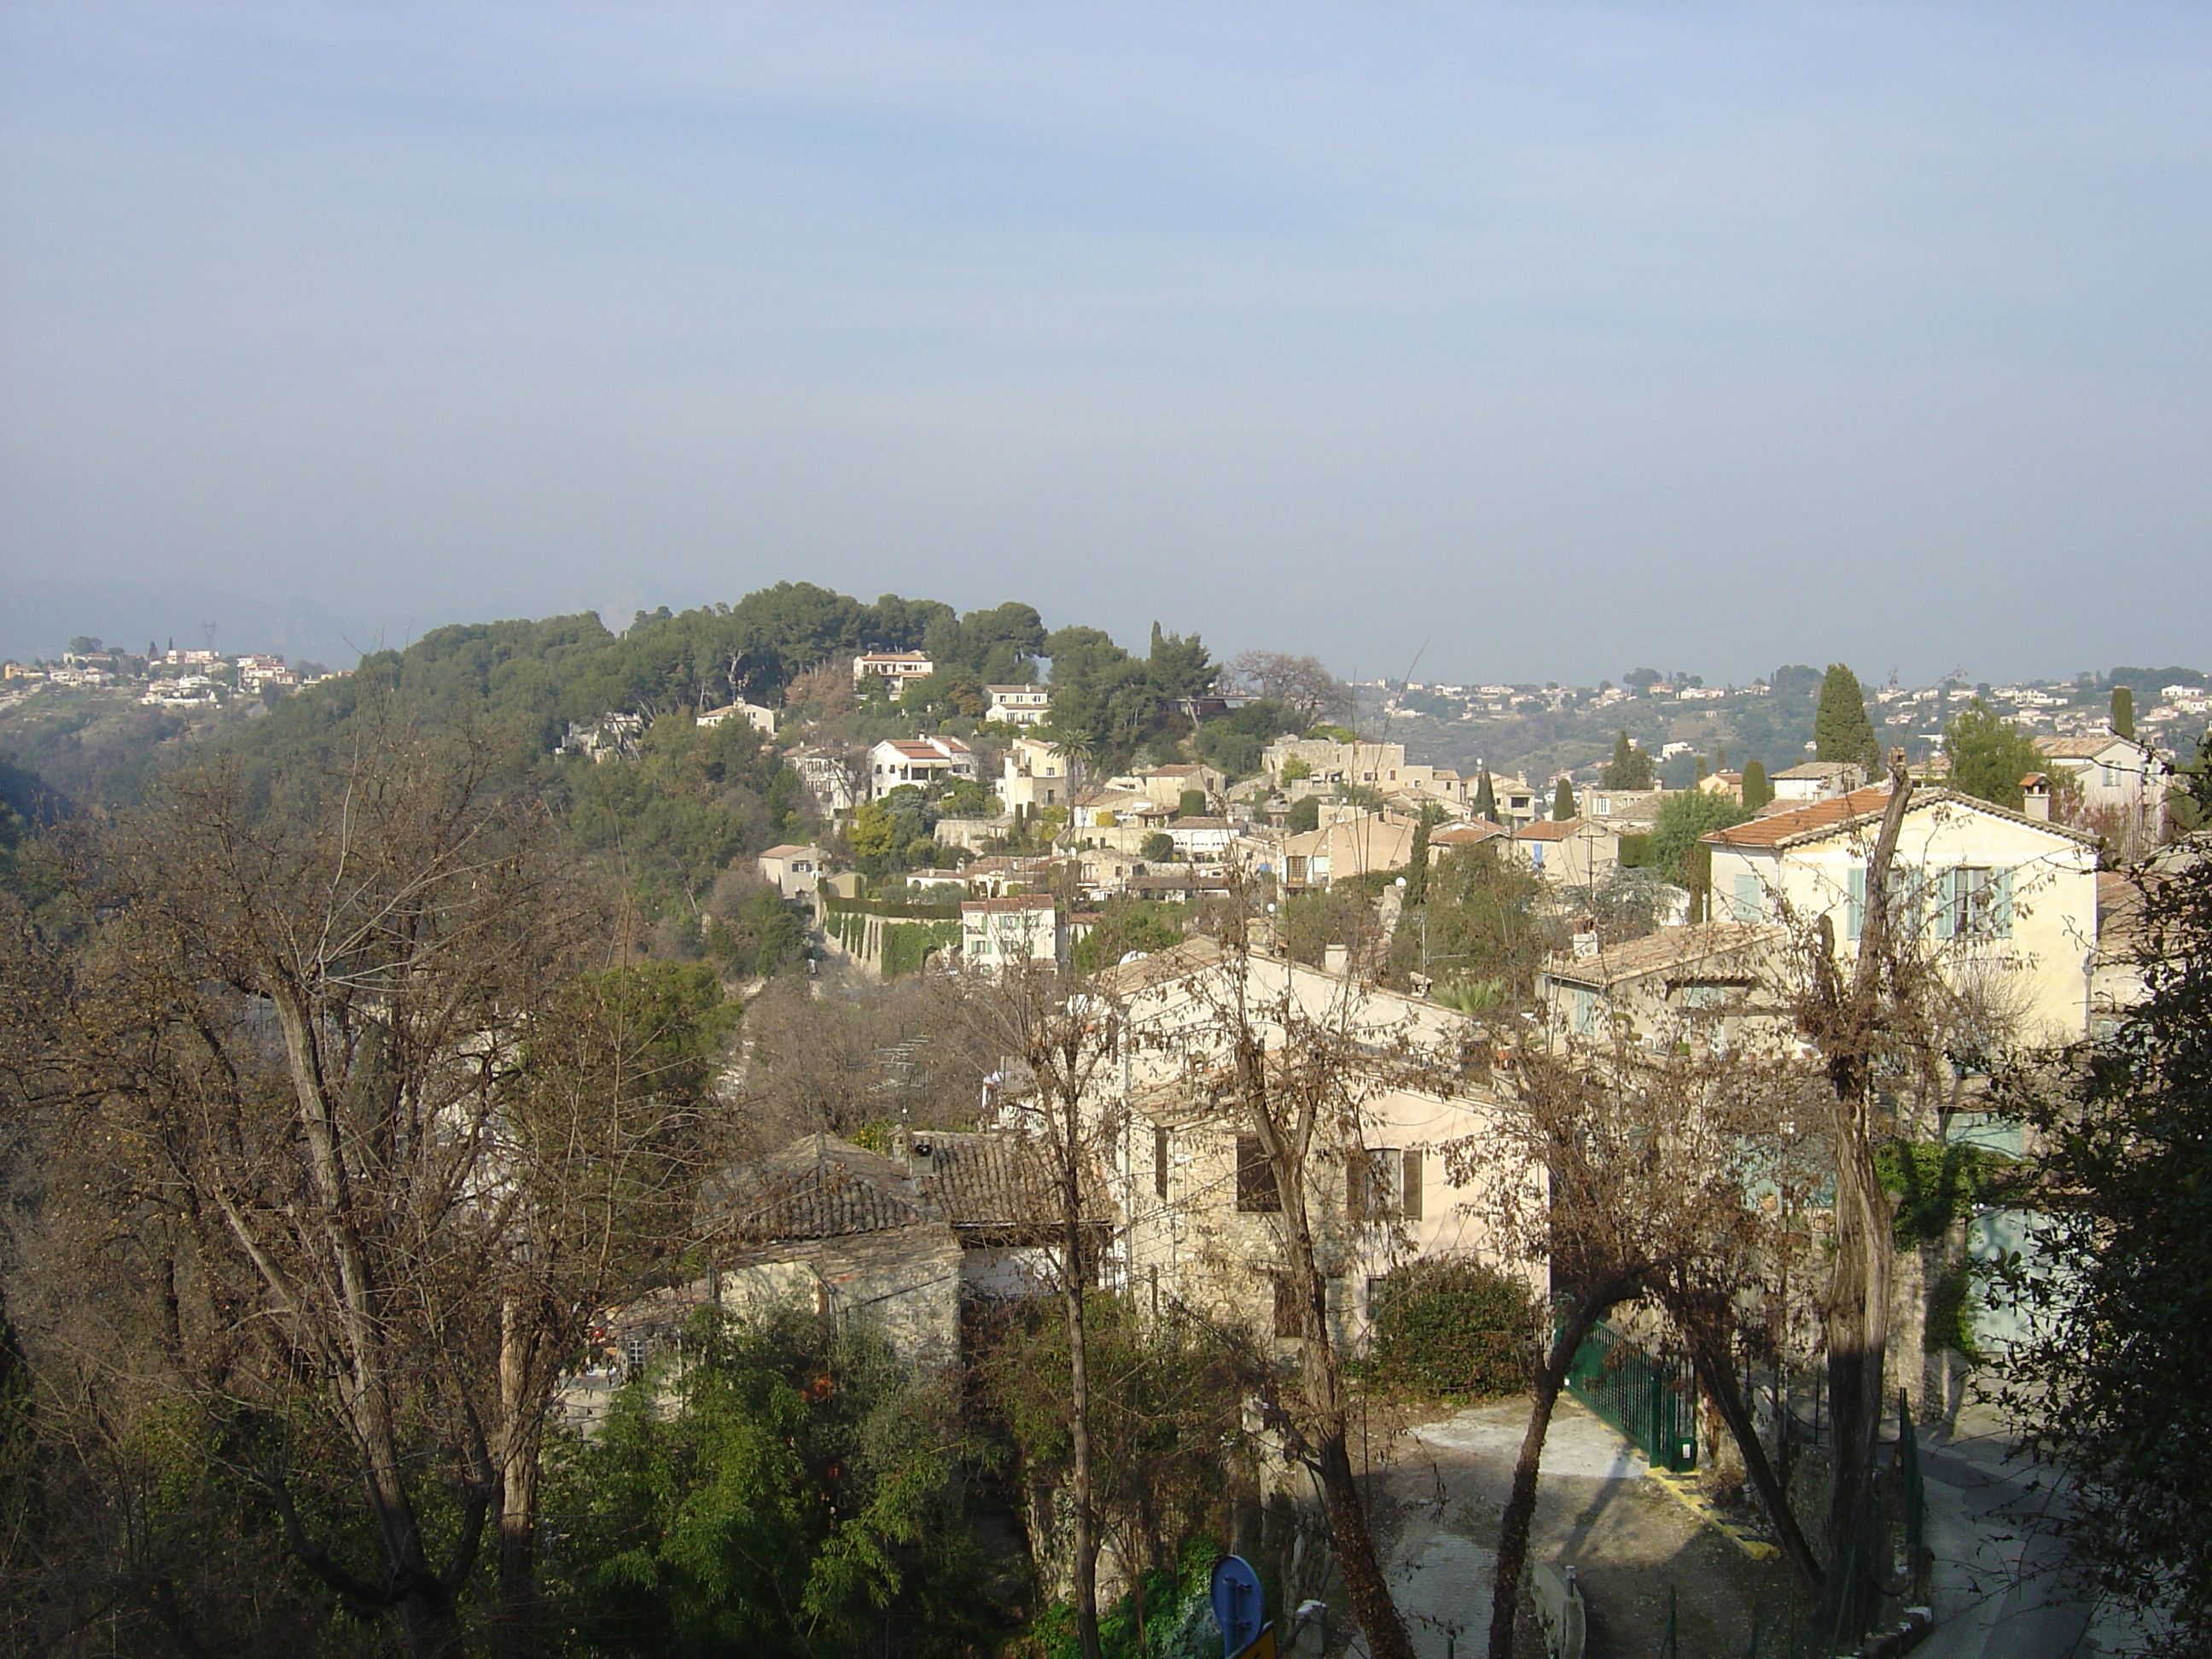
point(1586, 1006)
point(1290, 1309)
point(1255, 1178)
point(1974, 904)
point(1747, 898)
point(1382, 1183)
point(1160, 1141)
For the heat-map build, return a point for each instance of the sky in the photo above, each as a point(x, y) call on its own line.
point(1533, 341)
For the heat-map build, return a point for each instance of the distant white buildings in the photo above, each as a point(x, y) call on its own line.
point(1019, 705)
point(895, 666)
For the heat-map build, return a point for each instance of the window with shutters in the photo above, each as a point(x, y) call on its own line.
point(1586, 1008)
point(1975, 902)
point(1382, 1183)
point(1749, 905)
point(1255, 1178)
point(1289, 1308)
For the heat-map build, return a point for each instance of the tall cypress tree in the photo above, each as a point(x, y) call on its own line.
point(1841, 730)
point(1486, 799)
point(1416, 861)
point(1756, 791)
point(1563, 801)
point(1630, 768)
point(2124, 710)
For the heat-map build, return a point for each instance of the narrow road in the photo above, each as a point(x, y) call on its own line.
point(1996, 1592)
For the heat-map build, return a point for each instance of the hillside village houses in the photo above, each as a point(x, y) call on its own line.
point(918, 761)
point(2122, 783)
point(1197, 1209)
point(795, 872)
point(2008, 903)
point(894, 667)
point(1033, 774)
point(1018, 705)
point(761, 718)
point(1028, 928)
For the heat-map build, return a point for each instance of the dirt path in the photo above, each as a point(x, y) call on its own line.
point(1627, 1538)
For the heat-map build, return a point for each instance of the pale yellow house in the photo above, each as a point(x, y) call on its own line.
point(2009, 903)
point(1577, 853)
point(1199, 1211)
point(1351, 847)
point(1032, 775)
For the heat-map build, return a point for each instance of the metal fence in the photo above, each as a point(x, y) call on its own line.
point(1653, 1401)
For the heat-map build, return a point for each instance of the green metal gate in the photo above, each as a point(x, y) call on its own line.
point(1651, 1401)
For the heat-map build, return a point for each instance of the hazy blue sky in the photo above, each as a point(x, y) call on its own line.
point(1573, 337)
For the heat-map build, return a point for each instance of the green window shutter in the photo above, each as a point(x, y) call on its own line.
point(2001, 904)
point(1854, 903)
point(1910, 917)
point(1355, 1184)
point(1746, 898)
point(1947, 892)
point(1410, 1206)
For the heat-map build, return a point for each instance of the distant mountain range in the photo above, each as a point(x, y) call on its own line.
point(38, 619)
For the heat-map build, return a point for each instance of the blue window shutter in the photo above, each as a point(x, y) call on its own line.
point(1854, 903)
point(1746, 898)
point(1946, 900)
point(2001, 904)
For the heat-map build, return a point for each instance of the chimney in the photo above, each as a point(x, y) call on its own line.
point(2035, 796)
point(1336, 958)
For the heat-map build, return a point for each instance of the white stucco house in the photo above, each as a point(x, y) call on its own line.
point(1019, 705)
point(919, 761)
point(2009, 903)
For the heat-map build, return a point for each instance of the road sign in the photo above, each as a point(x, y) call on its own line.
point(1238, 1606)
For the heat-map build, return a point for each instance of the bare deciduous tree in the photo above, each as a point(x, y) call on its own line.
point(403, 1145)
point(1061, 1030)
point(1302, 684)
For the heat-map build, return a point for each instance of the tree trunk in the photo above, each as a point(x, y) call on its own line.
point(521, 1431)
point(1858, 1337)
point(1078, 1381)
point(1521, 1504)
point(1329, 1433)
point(1857, 1312)
point(1717, 1377)
point(1908, 1329)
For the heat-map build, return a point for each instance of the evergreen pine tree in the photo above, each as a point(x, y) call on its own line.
point(2124, 710)
point(1486, 799)
point(1756, 791)
point(1416, 861)
point(1841, 730)
point(1630, 768)
point(1563, 801)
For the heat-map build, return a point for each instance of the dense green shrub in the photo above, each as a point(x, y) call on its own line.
point(778, 1489)
point(1453, 1326)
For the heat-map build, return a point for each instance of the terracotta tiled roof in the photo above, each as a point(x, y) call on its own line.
point(820, 1187)
point(1191, 956)
point(1818, 769)
point(1776, 827)
point(980, 1179)
point(1818, 819)
point(1548, 829)
point(1466, 834)
point(2082, 748)
point(785, 851)
point(1709, 947)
